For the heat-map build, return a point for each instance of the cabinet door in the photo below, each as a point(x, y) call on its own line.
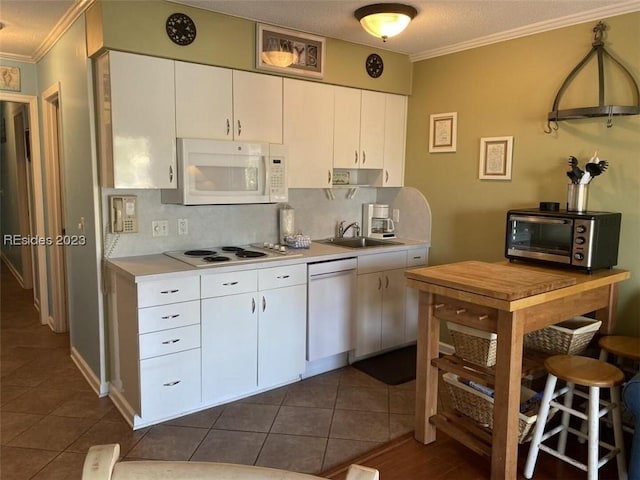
point(143, 121)
point(308, 133)
point(203, 101)
point(170, 384)
point(369, 314)
point(229, 339)
point(346, 144)
point(257, 107)
point(394, 140)
point(372, 115)
point(393, 308)
point(282, 335)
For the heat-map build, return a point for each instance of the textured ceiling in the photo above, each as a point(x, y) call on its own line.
point(441, 26)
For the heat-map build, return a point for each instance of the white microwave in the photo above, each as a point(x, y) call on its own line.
point(214, 172)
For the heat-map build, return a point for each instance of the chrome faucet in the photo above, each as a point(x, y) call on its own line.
point(342, 229)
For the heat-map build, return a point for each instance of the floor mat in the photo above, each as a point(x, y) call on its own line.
point(392, 368)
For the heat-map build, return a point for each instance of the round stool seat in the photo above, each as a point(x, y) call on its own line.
point(622, 346)
point(584, 371)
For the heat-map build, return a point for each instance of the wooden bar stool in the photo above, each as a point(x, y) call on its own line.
point(594, 374)
point(620, 346)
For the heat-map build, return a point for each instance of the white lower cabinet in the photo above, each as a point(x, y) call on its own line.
point(252, 340)
point(229, 338)
point(170, 384)
point(417, 257)
point(380, 308)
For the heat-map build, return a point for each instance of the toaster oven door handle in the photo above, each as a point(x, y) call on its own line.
point(532, 219)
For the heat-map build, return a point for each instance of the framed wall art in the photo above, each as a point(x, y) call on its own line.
point(288, 51)
point(443, 132)
point(10, 78)
point(495, 158)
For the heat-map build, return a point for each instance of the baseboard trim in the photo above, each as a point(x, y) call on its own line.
point(94, 382)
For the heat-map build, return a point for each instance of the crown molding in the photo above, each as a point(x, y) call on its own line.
point(16, 58)
point(61, 27)
point(540, 27)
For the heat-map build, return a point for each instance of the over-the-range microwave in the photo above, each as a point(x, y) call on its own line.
point(214, 172)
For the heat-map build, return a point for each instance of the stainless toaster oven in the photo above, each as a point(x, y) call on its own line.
point(584, 240)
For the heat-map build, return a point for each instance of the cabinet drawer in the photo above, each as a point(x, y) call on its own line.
point(169, 341)
point(282, 276)
point(464, 313)
point(382, 261)
point(163, 317)
point(170, 290)
point(231, 283)
point(416, 257)
point(170, 384)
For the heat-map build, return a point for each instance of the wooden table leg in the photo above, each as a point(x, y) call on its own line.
point(426, 374)
point(504, 447)
point(608, 313)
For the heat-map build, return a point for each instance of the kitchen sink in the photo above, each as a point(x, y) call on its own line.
point(358, 242)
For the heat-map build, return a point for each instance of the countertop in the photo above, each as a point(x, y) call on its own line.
point(152, 267)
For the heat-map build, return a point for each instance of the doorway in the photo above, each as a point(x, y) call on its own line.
point(54, 174)
point(37, 223)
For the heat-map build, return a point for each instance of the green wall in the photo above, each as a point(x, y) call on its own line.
point(228, 42)
point(508, 89)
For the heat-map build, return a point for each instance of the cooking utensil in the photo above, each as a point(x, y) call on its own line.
point(575, 170)
point(596, 169)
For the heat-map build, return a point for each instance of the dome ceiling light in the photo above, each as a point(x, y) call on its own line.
point(384, 20)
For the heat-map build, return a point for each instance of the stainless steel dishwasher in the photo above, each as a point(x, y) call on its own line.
point(331, 308)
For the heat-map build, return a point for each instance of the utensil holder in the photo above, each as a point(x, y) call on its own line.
point(577, 197)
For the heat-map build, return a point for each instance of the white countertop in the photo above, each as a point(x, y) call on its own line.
point(149, 267)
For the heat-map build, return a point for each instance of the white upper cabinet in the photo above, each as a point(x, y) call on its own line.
point(395, 130)
point(346, 143)
point(204, 104)
point(257, 107)
point(137, 121)
point(225, 104)
point(372, 128)
point(308, 133)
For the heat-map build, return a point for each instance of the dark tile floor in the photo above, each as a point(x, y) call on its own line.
point(49, 416)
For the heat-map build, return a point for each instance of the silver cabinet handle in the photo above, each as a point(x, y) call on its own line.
point(379, 283)
point(329, 177)
point(165, 292)
point(356, 157)
point(264, 303)
point(170, 174)
point(230, 284)
point(282, 277)
point(228, 127)
point(364, 157)
point(253, 305)
point(239, 128)
point(169, 342)
point(171, 384)
point(168, 317)
point(386, 176)
point(386, 282)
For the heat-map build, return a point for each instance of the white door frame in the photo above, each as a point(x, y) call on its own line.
point(52, 127)
point(24, 193)
point(36, 175)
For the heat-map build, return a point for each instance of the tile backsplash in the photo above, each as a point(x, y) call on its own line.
point(215, 225)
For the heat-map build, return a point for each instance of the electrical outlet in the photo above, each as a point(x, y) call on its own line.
point(160, 228)
point(183, 226)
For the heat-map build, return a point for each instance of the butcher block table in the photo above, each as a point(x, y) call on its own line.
point(510, 299)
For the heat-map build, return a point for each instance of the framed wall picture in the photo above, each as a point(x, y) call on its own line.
point(495, 158)
point(443, 132)
point(288, 51)
point(10, 78)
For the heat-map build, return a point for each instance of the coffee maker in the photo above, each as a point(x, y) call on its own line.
point(376, 222)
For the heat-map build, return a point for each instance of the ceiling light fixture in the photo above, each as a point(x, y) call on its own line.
point(384, 20)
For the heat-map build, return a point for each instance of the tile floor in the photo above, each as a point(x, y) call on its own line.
point(49, 416)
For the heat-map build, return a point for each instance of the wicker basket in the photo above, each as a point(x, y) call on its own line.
point(570, 337)
point(474, 345)
point(479, 406)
